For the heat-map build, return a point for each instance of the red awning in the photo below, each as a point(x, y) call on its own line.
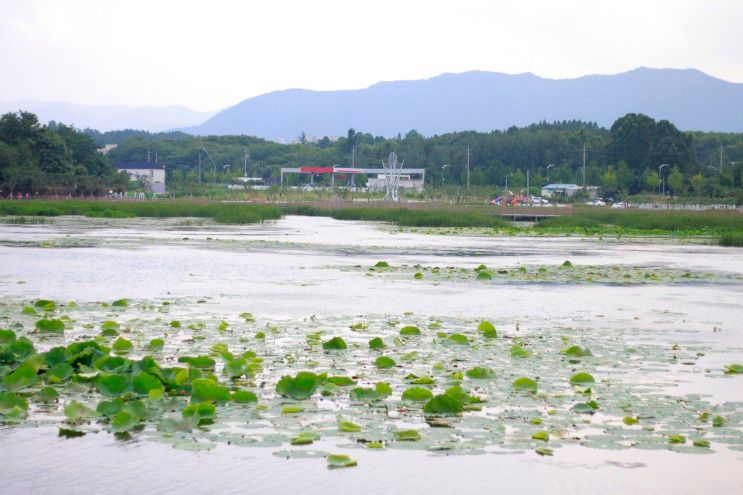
point(316, 170)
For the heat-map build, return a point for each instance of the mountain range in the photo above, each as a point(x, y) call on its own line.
point(110, 117)
point(485, 101)
point(476, 100)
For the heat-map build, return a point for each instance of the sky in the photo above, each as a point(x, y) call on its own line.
point(212, 54)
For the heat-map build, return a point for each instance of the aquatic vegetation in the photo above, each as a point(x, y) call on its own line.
point(340, 461)
point(454, 388)
point(731, 369)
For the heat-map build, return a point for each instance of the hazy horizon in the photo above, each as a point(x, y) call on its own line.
point(143, 54)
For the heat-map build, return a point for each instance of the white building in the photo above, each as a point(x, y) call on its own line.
point(379, 183)
point(151, 174)
point(567, 190)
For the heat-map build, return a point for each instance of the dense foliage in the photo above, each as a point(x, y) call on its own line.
point(622, 160)
point(35, 158)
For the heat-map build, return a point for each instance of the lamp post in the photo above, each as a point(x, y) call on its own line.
point(245, 165)
point(443, 167)
point(662, 181)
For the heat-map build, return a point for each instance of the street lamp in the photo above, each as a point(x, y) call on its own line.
point(443, 167)
point(245, 165)
point(662, 181)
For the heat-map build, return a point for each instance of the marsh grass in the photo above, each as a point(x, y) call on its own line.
point(229, 213)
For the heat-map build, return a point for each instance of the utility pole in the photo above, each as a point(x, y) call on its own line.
point(468, 167)
point(245, 165)
point(199, 167)
point(527, 183)
point(720, 156)
point(353, 156)
point(148, 155)
point(584, 167)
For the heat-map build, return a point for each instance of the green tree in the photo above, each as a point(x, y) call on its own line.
point(609, 181)
point(675, 181)
point(650, 180)
point(697, 183)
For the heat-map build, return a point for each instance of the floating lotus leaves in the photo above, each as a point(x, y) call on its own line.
point(484, 275)
point(75, 412)
point(301, 386)
point(581, 378)
point(380, 391)
point(444, 405)
point(349, 426)
point(480, 373)
point(417, 394)
point(336, 461)
point(407, 436)
point(200, 362)
point(525, 384)
point(519, 352)
point(336, 343)
point(731, 369)
point(114, 384)
point(120, 303)
point(199, 413)
point(541, 435)
point(50, 326)
point(487, 329)
point(243, 397)
point(576, 351)
point(13, 407)
point(459, 338)
point(207, 390)
point(122, 345)
point(45, 305)
point(384, 362)
point(376, 343)
point(410, 330)
point(382, 264)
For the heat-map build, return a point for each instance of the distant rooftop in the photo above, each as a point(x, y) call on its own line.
point(139, 166)
point(560, 186)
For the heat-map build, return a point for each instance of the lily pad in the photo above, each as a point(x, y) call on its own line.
point(301, 386)
point(336, 461)
point(581, 378)
point(525, 384)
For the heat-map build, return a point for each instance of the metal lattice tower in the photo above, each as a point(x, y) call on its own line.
point(392, 171)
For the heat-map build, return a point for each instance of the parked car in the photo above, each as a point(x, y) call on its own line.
point(537, 201)
point(619, 205)
point(596, 202)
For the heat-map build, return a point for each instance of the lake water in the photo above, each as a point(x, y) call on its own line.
point(302, 269)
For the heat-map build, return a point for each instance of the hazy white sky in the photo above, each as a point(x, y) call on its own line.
point(213, 53)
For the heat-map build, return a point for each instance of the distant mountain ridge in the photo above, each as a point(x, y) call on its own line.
point(110, 117)
point(485, 101)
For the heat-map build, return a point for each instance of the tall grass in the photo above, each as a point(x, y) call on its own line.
point(404, 216)
point(666, 221)
point(232, 213)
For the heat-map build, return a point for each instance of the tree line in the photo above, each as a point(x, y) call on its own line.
point(625, 159)
point(52, 158)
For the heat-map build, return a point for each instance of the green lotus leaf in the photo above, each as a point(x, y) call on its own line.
point(349, 427)
point(29, 311)
point(458, 338)
point(124, 421)
point(77, 412)
point(120, 303)
point(155, 345)
point(200, 413)
point(417, 394)
point(731, 369)
point(480, 373)
point(110, 408)
point(407, 436)
point(382, 264)
point(376, 343)
point(418, 275)
point(384, 362)
point(59, 373)
point(544, 451)
point(45, 305)
point(122, 345)
point(340, 461)
point(50, 326)
point(341, 381)
point(301, 386)
point(676, 439)
point(541, 435)
point(589, 407)
point(206, 390)
point(199, 362)
point(444, 405)
point(336, 343)
point(410, 330)
point(13, 407)
point(576, 351)
point(243, 397)
point(26, 375)
point(525, 384)
point(114, 384)
point(380, 391)
point(519, 352)
point(47, 394)
point(581, 378)
point(718, 421)
point(144, 383)
point(236, 368)
point(484, 275)
point(703, 443)
point(70, 433)
point(112, 364)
